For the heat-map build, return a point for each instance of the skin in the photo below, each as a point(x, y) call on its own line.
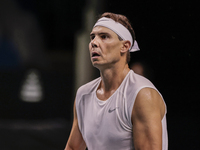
point(75, 141)
point(147, 114)
point(149, 107)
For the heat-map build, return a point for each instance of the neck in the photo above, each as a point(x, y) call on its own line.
point(113, 77)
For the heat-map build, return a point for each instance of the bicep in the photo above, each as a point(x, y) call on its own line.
point(146, 119)
point(75, 140)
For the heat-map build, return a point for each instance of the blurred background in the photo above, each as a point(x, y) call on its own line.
point(44, 59)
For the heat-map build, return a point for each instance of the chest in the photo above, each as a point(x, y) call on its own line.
point(102, 95)
point(99, 114)
point(102, 121)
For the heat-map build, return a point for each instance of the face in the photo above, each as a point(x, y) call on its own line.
point(104, 47)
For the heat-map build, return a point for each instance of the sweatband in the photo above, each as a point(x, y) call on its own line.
point(119, 29)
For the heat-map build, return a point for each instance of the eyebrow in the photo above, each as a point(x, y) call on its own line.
point(100, 33)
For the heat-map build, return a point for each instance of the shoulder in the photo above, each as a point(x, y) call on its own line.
point(148, 95)
point(148, 102)
point(139, 80)
point(136, 83)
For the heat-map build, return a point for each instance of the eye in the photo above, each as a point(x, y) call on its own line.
point(92, 37)
point(104, 36)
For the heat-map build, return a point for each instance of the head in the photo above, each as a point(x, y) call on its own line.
point(125, 22)
point(121, 19)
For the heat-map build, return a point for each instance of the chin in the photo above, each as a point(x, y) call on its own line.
point(96, 64)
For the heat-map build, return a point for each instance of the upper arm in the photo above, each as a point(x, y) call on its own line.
point(75, 141)
point(147, 115)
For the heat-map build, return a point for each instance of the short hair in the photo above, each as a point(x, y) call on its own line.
point(125, 22)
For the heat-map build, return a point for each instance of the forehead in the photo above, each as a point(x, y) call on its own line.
point(101, 29)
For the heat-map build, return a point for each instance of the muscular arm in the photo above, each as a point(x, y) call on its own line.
point(147, 114)
point(75, 141)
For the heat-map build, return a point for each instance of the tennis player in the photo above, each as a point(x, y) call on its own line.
point(120, 110)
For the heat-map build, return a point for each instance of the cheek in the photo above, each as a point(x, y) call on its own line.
point(113, 48)
point(90, 46)
point(112, 52)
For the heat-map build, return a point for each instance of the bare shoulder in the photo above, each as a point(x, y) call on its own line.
point(148, 102)
point(149, 95)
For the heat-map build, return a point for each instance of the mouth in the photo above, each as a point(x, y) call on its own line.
point(95, 54)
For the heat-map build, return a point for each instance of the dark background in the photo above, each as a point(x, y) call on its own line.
point(166, 32)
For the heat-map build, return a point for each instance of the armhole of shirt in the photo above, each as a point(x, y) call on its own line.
point(130, 109)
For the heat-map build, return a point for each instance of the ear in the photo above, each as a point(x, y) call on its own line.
point(125, 46)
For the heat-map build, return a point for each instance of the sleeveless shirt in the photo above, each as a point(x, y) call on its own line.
point(106, 125)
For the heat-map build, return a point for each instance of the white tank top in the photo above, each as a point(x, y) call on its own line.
point(106, 125)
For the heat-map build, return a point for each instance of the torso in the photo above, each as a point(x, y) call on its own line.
point(107, 124)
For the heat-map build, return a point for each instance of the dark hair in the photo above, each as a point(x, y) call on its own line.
point(125, 22)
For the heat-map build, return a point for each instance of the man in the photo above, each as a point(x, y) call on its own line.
point(120, 110)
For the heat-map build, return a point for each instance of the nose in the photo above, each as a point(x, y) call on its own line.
point(94, 43)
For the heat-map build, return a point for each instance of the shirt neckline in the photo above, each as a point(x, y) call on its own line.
point(101, 102)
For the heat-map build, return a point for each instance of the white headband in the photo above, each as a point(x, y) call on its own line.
point(119, 29)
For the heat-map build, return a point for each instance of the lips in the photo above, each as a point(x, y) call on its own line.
point(95, 54)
